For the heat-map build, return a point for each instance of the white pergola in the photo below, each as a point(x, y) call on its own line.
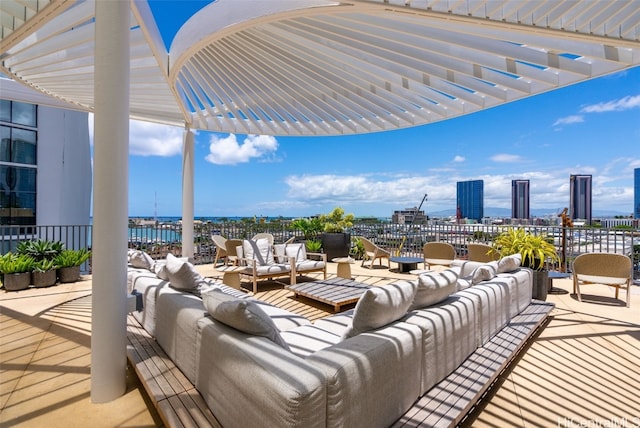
point(288, 67)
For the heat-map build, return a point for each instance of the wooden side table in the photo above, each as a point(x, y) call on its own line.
point(344, 266)
point(231, 275)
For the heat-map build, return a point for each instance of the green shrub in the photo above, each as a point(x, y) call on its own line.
point(16, 263)
point(70, 258)
point(40, 249)
point(313, 245)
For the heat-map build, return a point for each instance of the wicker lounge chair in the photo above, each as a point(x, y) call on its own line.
point(602, 268)
point(438, 254)
point(221, 248)
point(481, 253)
point(373, 252)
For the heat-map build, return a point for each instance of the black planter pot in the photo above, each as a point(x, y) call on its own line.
point(336, 244)
point(43, 279)
point(69, 274)
point(540, 284)
point(17, 281)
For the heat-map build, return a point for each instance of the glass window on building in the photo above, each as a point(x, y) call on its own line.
point(17, 195)
point(18, 160)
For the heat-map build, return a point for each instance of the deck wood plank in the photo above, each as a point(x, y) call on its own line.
point(448, 403)
point(177, 401)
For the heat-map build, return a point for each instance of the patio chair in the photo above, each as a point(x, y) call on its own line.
point(373, 252)
point(602, 268)
point(438, 254)
point(232, 250)
point(481, 253)
point(221, 248)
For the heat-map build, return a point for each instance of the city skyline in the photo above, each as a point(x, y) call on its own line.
point(587, 128)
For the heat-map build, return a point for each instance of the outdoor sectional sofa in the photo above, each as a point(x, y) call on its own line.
point(258, 365)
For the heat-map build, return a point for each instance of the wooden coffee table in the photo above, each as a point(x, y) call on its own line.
point(334, 291)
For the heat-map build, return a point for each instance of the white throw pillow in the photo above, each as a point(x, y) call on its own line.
point(484, 272)
point(509, 263)
point(140, 259)
point(298, 251)
point(182, 274)
point(241, 314)
point(434, 288)
point(259, 250)
point(380, 306)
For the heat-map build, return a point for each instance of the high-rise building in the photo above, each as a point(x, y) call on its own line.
point(45, 160)
point(636, 193)
point(470, 199)
point(520, 199)
point(580, 197)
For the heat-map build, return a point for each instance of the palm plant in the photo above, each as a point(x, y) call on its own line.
point(535, 249)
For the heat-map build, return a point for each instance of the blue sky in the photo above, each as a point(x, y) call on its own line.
point(588, 128)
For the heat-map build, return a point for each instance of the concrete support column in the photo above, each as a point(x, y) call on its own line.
point(187, 193)
point(110, 199)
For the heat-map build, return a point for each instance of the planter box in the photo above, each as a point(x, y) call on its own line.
point(540, 284)
point(336, 245)
point(17, 281)
point(69, 274)
point(43, 279)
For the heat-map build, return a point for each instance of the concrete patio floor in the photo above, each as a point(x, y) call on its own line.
point(582, 370)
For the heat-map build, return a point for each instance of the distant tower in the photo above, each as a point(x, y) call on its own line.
point(470, 199)
point(580, 197)
point(636, 193)
point(520, 199)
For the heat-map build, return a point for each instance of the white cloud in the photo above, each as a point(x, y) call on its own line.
point(569, 120)
point(227, 150)
point(150, 139)
point(507, 158)
point(549, 189)
point(459, 159)
point(626, 103)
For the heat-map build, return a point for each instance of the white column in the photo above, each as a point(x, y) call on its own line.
point(187, 194)
point(110, 191)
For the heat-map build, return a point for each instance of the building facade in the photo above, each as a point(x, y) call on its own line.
point(636, 193)
point(45, 160)
point(470, 199)
point(409, 216)
point(520, 199)
point(580, 197)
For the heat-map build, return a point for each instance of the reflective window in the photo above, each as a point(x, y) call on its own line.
point(18, 141)
point(23, 146)
point(5, 110)
point(23, 114)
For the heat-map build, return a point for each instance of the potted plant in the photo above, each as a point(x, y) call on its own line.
point(44, 273)
point(40, 249)
point(336, 242)
point(535, 251)
point(311, 228)
point(68, 262)
point(313, 245)
point(16, 271)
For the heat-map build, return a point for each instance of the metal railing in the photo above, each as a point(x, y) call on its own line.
point(163, 238)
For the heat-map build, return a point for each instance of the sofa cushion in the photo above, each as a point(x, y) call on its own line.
point(380, 306)
point(182, 275)
point(434, 288)
point(509, 263)
point(140, 259)
point(298, 251)
point(241, 314)
point(484, 272)
point(309, 339)
point(258, 250)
